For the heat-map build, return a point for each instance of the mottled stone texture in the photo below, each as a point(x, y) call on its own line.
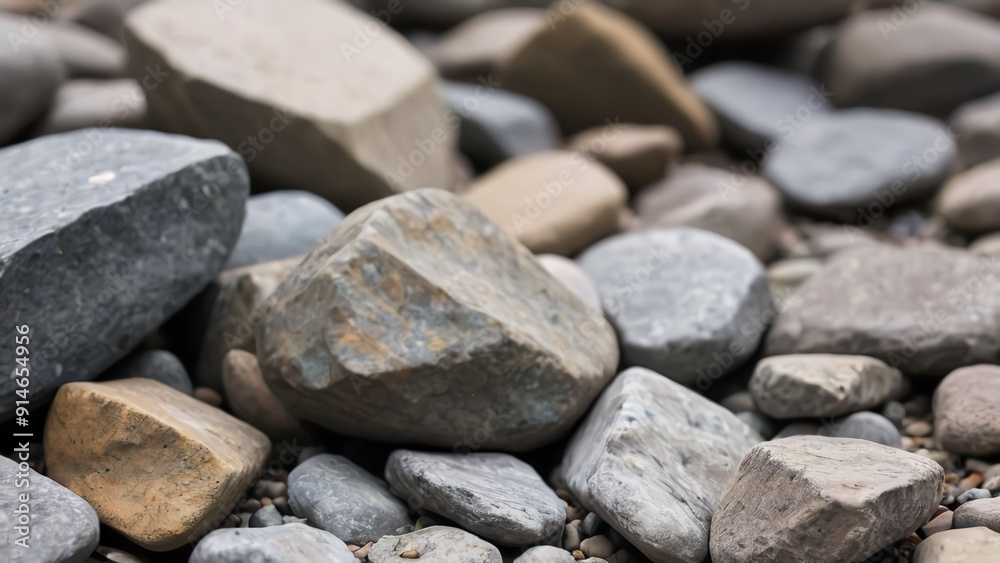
point(419, 320)
point(290, 543)
point(157, 465)
point(105, 235)
point(440, 544)
point(810, 498)
point(968, 545)
point(652, 459)
point(967, 411)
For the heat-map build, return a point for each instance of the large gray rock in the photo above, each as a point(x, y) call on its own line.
point(437, 544)
point(419, 320)
point(344, 499)
point(925, 310)
point(658, 489)
point(854, 164)
point(31, 72)
point(967, 411)
point(809, 498)
point(60, 525)
point(686, 303)
point(107, 234)
point(289, 543)
point(496, 496)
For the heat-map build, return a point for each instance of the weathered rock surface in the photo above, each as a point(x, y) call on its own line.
point(976, 126)
point(441, 544)
point(85, 53)
point(854, 164)
point(281, 225)
point(157, 465)
point(865, 425)
point(496, 496)
point(430, 323)
point(159, 365)
point(686, 303)
point(61, 526)
point(638, 154)
point(552, 202)
point(821, 385)
point(970, 545)
point(598, 64)
point(572, 277)
point(658, 489)
point(809, 498)
point(86, 103)
point(344, 499)
point(476, 47)
point(250, 399)
point(313, 104)
point(545, 554)
point(980, 512)
point(862, 302)
point(31, 73)
point(967, 411)
point(290, 543)
point(971, 201)
point(98, 249)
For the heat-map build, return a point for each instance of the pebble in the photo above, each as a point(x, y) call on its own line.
point(973, 494)
point(970, 201)
point(252, 400)
point(547, 554)
point(477, 46)
point(787, 275)
point(940, 523)
point(159, 365)
point(759, 423)
point(895, 412)
point(83, 52)
point(266, 516)
point(738, 402)
point(208, 396)
point(84, 103)
point(866, 425)
point(986, 244)
point(572, 536)
point(638, 154)
point(572, 277)
point(976, 126)
point(592, 524)
point(969, 545)
point(32, 73)
point(440, 544)
point(967, 411)
point(919, 428)
point(289, 543)
point(979, 512)
point(801, 428)
point(597, 546)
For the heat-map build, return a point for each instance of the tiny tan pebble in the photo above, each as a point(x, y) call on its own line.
point(411, 554)
point(206, 395)
point(578, 555)
point(362, 552)
point(265, 501)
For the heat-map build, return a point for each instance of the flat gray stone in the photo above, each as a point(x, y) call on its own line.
point(62, 526)
point(160, 365)
point(980, 512)
point(288, 543)
point(686, 303)
point(495, 496)
point(344, 499)
point(437, 544)
point(658, 489)
point(866, 425)
point(31, 71)
point(106, 235)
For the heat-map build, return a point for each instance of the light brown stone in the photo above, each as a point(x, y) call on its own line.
point(475, 47)
point(639, 154)
point(157, 465)
point(967, 411)
point(552, 202)
point(252, 400)
point(968, 545)
point(970, 201)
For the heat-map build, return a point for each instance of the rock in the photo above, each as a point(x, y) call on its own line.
point(282, 225)
point(572, 535)
point(160, 365)
point(821, 385)
point(970, 201)
point(971, 545)
point(289, 543)
point(344, 499)
point(495, 496)
point(440, 544)
point(157, 465)
point(572, 277)
point(638, 154)
point(128, 228)
point(759, 423)
point(746, 209)
point(117, 555)
point(873, 62)
point(476, 47)
point(895, 412)
point(552, 202)
point(103, 16)
point(593, 525)
point(250, 399)
point(980, 512)
point(967, 411)
point(866, 425)
point(208, 396)
point(973, 494)
point(478, 327)
point(597, 64)
point(986, 244)
point(597, 546)
point(802, 428)
point(32, 72)
point(940, 523)
point(85, 53)
point(657, 489)
point(353, 116)
point(862, 302)
point(94, 103)
point(686, 303)
point(919, 428)
point(854, 164)
point(809, 498)
point(741, 401)
point(757, 106)
point(976, 126)
point(266, 516)
point(497, 125)
point(545, 554)
point(61, 526)
point(443, 13)
point(787, 275)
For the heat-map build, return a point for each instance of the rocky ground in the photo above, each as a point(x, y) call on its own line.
point(500, 281)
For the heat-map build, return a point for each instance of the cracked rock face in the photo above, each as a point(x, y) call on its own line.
point(290, 543)
point(419, 320)
point(106, 234)
point(440, 544)
point(811, 498)
point(652, 459)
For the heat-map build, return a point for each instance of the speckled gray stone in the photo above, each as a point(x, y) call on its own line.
point(160, 365)
point(980, 512)
point(31, 73)
point(289, 543)
point(418, 320)
point(686, 303)
point(545, 554)
point(266, 516)
point(657, 488)
point(62, 527)
point(866, 425)
point(282, 224)
point(496, 496)
point(107, 233)
point(437, 544)
point(344, 499)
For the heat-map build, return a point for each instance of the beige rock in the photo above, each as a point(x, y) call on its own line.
point(475, 47)
point(980, 512)
point(94, 103)
point(970, 201)
point(986, 244)
point(315, 95)
point(157, 465)
point(571, 276)
point(787, 275)
point(969, 545)
point(639, 154)
point(552, 202)
point(967, 411)
point(596, 64)
point(252, 400)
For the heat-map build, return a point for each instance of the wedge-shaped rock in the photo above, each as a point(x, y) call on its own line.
point(327, 99)
point(652, 459)
point(821, 385)
point(157, 465)
point(419, 320)
point(291, 543)
point(440, 544)
point(811, 498)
